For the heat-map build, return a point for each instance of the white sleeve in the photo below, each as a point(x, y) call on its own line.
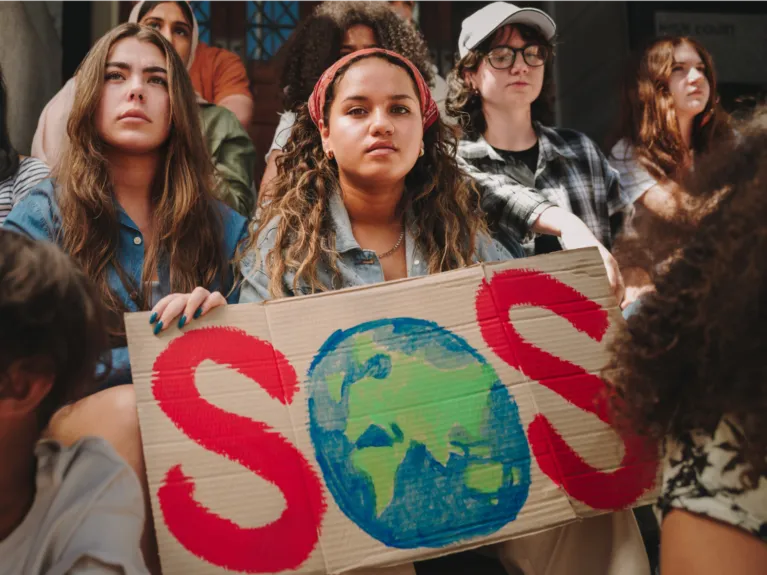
point(282, 133)
point(635, 179)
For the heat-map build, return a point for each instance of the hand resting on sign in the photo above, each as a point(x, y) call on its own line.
point(189, 306)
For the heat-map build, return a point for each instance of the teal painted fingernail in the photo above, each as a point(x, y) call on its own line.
point(153, 318)
point(181, 322)
point(158, 327)
point(197, 313)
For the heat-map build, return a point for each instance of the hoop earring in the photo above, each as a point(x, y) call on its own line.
point(421, 152)
point(330, 155)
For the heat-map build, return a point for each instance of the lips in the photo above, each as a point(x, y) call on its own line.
point(381, 145)
point(134, 114)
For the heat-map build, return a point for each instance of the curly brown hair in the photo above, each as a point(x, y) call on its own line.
point(694, 351)
point(465, 104)
point(442, 203)
point(318, 40)
point(648, 117)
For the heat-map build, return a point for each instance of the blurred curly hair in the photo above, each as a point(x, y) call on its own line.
point(695, 351)
point(318, 40)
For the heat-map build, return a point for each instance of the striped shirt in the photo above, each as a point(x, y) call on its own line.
point(31, 171)
point(572, 173)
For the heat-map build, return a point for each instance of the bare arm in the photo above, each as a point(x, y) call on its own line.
point(555, 221)
point(695, 544)
point(242, 107)
point(269, 174)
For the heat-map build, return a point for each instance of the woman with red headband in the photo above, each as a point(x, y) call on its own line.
point(368, 191)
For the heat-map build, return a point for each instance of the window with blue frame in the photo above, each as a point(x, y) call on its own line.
point(202, 14)
point(269, 24)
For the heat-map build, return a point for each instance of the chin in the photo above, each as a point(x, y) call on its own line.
point(136, 144)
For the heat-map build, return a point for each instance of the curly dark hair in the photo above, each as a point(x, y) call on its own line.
point(443, 202)
point(694, 352)
point(465, 104)
point(317, 44)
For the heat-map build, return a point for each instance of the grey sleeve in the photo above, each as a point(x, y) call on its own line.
point(108, 539)
point(515, 206)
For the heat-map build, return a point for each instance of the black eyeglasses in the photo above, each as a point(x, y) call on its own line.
point(503, 57)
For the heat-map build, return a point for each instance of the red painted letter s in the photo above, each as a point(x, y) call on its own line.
point(598, 489)
point(288, 541)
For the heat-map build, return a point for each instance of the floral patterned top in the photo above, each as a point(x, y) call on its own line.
point(703, 475)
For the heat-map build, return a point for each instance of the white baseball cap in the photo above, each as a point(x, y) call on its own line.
point(483, 23)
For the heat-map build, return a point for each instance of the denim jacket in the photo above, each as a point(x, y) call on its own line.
point(37, 215)
point(356, 266)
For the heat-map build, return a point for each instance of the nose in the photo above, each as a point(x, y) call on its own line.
point(694, 75)
point(380, 122)
point(166, 33)
point(136, 93)
point(519, 66)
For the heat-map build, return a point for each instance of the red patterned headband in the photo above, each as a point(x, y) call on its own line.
point(429, 111)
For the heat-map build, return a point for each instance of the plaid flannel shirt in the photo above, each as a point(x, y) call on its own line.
point(572, 173)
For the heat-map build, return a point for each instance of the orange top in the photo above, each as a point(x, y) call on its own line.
point(217, 73)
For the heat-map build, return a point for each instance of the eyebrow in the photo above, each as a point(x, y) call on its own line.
point(359, 98)
point(147, 70)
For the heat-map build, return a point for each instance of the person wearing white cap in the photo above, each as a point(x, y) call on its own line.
point(534, 179)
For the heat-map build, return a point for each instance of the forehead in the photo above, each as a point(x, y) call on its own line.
point(359, 33)
point(134, 51)
point(375, 78)
point(169, 11)
point(508, 35)
point(686, 53)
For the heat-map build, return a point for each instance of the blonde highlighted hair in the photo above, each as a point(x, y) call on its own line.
point(186, 223)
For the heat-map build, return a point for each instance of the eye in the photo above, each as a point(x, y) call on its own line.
point(400, 109)
point(356, 111)
point(182, 32)
point(158, 80)
point(154, 25)
point(113, 76)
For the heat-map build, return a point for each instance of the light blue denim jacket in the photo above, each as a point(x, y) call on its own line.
point(37, 216)
point(356, 266)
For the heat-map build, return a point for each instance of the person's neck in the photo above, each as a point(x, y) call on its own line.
point(132, 179)
point(17, 475)
point(685, 129)
point(509, 128)
point(372, 207)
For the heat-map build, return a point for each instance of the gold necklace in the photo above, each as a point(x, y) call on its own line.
point(394, 249)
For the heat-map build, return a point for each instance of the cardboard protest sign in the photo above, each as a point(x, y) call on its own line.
point(380, 425)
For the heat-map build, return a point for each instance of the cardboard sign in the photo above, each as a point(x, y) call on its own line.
point(375, 426)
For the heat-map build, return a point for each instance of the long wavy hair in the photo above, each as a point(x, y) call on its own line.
point(694, 352)
point(318, 40)
point(648, 117)
point(186, 223)
point(9, 159)
point(465, 104)
point(442, 205)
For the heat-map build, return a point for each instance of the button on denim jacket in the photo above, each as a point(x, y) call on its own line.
point(356, 266)
point(37, 216)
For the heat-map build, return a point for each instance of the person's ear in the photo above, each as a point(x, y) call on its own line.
point(325, 134)
point(23, 386)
